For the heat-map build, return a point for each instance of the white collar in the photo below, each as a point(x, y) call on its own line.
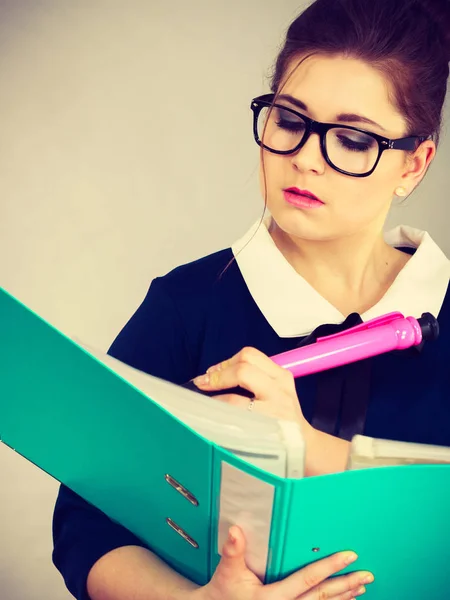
point(294, 308)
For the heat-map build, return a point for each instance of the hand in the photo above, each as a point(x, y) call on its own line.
point(275, 395)
point(273, 387)
point(234, 581)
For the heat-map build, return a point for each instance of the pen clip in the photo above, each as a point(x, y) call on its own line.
point(377, 322)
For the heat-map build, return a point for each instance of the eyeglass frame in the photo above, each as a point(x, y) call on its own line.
point(408, 143)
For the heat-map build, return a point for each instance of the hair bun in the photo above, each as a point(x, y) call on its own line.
point(439, 12)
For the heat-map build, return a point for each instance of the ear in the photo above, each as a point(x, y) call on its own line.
point(417, 165)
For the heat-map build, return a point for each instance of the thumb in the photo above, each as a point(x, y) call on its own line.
point(233, 554)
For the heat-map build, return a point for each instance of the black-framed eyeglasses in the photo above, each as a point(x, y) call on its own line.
point(348, 150)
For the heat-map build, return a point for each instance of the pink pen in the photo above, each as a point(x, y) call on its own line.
point(390, 332)
point(386, 333)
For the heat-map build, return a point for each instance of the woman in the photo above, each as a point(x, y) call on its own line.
point(354, 121)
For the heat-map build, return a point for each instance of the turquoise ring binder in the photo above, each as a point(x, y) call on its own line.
point(122, 450)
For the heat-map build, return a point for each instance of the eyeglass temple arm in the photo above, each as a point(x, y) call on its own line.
point(408, 143)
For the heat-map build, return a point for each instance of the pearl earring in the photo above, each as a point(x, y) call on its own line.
point(400, 191)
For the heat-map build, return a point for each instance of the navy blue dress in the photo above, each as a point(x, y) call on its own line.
point(199, 315)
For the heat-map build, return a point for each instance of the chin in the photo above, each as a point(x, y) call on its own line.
point(297, 224)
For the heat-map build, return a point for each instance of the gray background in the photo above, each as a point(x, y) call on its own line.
point(125, 150)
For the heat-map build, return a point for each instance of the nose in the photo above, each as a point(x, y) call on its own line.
point(309, 157)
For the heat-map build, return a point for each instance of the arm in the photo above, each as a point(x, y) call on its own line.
point(98, 558)
point(114, 578)
point(324, 453)
point(133, 573)
point(101, 560)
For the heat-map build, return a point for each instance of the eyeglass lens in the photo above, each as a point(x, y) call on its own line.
point(348, 150)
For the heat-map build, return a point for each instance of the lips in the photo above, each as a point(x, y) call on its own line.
point(303, 193)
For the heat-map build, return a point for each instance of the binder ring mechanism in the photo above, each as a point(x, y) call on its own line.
point(181, 532)
point(181, 489)
point(191, 498)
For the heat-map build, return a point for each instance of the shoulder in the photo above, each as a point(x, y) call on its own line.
point(163, 337)
point(193, 293)
point(200, 277)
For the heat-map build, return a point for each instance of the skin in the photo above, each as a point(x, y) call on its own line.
point(339, 248)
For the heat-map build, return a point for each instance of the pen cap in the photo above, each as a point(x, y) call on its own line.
point(429, 326)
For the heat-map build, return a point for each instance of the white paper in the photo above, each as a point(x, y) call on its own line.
point(257, 439)
point(247, 502)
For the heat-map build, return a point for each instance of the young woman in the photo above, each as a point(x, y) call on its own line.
point(353, 121)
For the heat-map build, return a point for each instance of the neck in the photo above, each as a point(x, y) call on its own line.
point(352, 273)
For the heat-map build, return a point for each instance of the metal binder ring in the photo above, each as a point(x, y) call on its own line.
point(251, 403)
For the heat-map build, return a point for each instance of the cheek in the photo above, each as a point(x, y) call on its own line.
point(271, 168)
point(370, 194)
point(274, 168)
point(381, 185)
point(361, 200)
point(354, 204)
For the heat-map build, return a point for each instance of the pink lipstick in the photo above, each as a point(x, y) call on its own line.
point(301, 198)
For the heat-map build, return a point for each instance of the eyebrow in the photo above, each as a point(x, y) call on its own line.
point(343, 117)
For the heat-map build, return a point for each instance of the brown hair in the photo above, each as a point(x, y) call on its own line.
point(408, 41)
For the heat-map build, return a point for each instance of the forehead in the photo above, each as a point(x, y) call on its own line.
point(333, 85)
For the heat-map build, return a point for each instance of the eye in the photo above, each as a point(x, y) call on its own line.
point(293, 126)
point(288, 121)
point(362, 143)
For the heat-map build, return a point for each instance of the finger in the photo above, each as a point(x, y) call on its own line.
point(350, 595)
point(240, 374)
point(233, 400)
point(346, 586)
point(254, 357)
point(273, 399)
point(314, 574)
point(233, 553)
point(316, 595)
point(242, 402)
point(285, 411)
point(347, 595)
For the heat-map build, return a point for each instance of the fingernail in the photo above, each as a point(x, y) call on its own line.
point(218, 367)
point(350, 557)
point(360, 591)
point(231, 537)
point(368, 579)
point(201, 380)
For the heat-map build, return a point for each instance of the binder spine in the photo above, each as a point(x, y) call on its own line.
point(243, 495)
point(214, 512)
point(280, 523)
